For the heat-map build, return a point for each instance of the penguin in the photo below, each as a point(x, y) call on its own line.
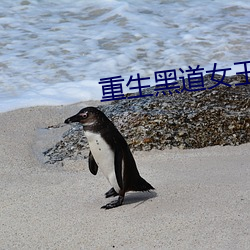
point(110, 152)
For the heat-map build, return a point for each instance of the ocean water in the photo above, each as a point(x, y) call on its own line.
point(56, 52)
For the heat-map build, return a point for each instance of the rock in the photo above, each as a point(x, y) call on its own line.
point(217, 116)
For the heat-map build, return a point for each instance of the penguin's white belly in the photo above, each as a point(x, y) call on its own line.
point(104, 157)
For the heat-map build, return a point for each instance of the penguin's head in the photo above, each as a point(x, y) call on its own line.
point(88, 117)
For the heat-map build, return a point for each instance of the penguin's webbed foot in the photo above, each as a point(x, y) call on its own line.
point(111, 193)
point(113, 204)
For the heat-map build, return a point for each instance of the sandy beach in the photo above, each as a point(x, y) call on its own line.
point(201, 198)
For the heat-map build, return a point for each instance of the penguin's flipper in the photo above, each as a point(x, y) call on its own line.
point(118, 166)
point(111, 193)
point(93, 167)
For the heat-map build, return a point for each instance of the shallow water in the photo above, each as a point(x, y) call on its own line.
point(56, 52)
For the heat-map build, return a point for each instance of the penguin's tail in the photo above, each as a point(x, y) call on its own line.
point(141, 185)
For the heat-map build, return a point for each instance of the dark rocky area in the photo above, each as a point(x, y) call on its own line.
point(191, 119)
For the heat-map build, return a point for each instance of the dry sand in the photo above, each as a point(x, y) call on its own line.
point(201, 201)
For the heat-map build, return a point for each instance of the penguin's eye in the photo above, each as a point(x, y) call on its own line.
point(84, 115)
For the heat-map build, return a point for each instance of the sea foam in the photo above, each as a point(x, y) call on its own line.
point(56, 52)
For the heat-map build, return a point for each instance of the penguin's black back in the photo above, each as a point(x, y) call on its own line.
point(132, 180)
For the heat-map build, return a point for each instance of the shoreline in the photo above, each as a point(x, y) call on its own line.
point(201, 197)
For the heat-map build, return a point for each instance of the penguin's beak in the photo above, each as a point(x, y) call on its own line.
point(74, 118)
